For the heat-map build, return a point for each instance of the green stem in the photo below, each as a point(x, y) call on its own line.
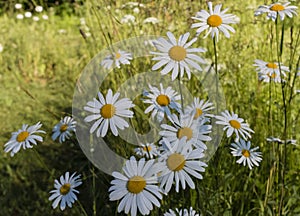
point(282, 158)
point(181, 96)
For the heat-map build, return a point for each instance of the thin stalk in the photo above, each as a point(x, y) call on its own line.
point(180, 91)
point(216, 68)
point(282, 157)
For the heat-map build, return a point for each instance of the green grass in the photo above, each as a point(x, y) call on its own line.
point(39, 70)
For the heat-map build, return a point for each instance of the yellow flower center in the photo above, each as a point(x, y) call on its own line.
point(185, 131)
point(136, 184)
point(117, 55)
point(177, 53)
point(273, 75)
point(198, 113)
point(65, 189)
point(63, 128)
point(175, 162)
point(107, 111)
point(245, 153)
point(272, 65)
point(235, 124)
point(277, 7)
point(22, 136)
point(214, 20)
point(147, 148)
point(163, 100)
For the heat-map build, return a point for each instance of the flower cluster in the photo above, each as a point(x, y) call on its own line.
point(27, 136)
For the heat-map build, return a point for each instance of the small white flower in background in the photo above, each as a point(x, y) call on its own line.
point(178, 163)
point(200, 108)
point(24, 137)
point(82, 21)
point(297, 91)
point(38, 8)
point(20, 16)
point(149, 150)
point(128, 18)
point(152, 20)
point(274, 139)
point(280, 9)
point(64, 191)
point(248, 156)
point(270, 68)
point(62, 31)
point(45, 17)
point(28, 14)
point(136, 10)
point(18, 6)
point(108, 112)
point(232, 123)
point(214, 21)
point(63, 130)
point(181, 212)
point(177, 56)
point(195, 131)
point(137, 187)
point(35, 18)
point(1, 48)
point(119, 57)
point(161, 101)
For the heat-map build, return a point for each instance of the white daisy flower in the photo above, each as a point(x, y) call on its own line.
point(215, 20)
point(38, 8)
point(1, 48)
point(232, 123)
point(152, 20)
point(248, 156)
point(18, 6)
point(63, 130)
point(200, 108)
point(161, 101)
point(35, 18)
point(181, 212)
point(196, 132)
point(270, 67)
point(120, 57)
point(109, 112)
point(128, 18)
point(45, 17)
point(64, 191)
point(28, 14)
point(274, 139)
point(20, 16)
point(24, 137)
point(279, 141)
point(149, 150)
point(137, 188)
point(178, 163)
point(275, 9)
point(177, 56)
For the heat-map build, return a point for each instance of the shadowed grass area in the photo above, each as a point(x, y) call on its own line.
point(42, 61)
